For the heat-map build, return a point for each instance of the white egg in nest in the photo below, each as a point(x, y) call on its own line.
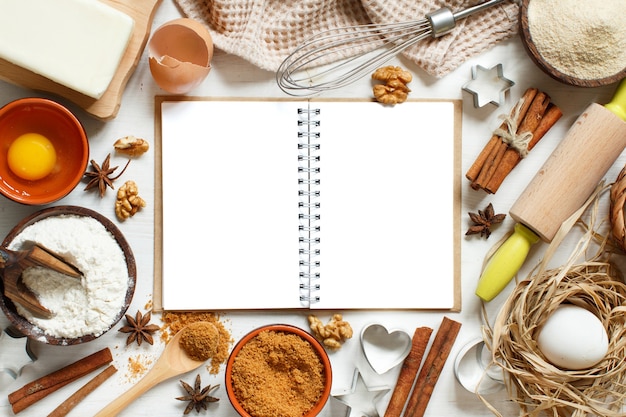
point(573, 338)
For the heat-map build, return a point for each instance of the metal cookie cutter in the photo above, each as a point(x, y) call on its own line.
point(473, 372)
point(384, 349)
point(488, 85)
point(15, 353)
point(360, 400)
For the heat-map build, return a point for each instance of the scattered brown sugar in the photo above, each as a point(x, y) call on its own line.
point(175, 321)
point(137, 366)
point(277, 374)
point(199, 340)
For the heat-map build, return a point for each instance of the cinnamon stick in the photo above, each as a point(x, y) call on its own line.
point(408, 372)
point(535, 113)
point(481, 159)
point(66, 406)
point(512, 157)
point(41, 387)
point(484, 156)
point(551, 116)
point(433, 365)
point(491, 164)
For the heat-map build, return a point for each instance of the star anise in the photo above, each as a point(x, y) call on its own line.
point(139, 328)
point(483, 221)
point(198, 397)
point(101, 175)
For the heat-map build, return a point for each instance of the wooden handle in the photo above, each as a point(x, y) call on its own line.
point(572, 172)
point(152, 378)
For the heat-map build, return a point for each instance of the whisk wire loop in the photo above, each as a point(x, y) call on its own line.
point(337, 57)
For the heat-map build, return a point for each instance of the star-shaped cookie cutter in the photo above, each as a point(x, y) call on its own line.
point(361, 399)
point(488, 85)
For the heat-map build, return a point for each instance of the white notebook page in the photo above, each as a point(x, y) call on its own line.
point(230, 196)
point(229, 181)
point(387, 206)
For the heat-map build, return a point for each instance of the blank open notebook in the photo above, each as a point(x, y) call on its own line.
point(284, 204)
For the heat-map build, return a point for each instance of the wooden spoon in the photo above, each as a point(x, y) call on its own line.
point(172, 362)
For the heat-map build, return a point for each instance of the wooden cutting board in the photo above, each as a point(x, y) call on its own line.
point(107, 106)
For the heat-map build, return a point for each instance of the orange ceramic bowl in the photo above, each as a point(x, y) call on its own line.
point(284, 328)
point(62, 129)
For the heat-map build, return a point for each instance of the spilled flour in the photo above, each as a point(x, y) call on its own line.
point(81, 307)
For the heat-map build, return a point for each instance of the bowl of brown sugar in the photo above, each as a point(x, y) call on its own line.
point(579, 44)
point(278, 370)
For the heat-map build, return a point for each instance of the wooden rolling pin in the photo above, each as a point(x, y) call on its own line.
point(560, 187)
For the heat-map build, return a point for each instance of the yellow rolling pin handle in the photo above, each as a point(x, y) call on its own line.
point(618, 104)
point(505, 263)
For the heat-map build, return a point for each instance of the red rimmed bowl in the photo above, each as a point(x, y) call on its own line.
point(288, 330)
point(32, 331)
point(66, 134)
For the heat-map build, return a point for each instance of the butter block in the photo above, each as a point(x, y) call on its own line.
point(76, 43)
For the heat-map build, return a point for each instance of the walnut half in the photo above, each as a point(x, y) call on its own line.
point(333, 333)
point(128, 201)
point(131, 145)
point(395, 89)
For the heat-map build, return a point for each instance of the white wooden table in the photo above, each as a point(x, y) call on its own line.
point(234, 77)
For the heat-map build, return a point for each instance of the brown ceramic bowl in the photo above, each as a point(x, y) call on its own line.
point(30, 330)
point(289, 329)
point(62, 129)
point(547, 67)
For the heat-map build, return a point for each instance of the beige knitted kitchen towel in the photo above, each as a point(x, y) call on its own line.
point(264, 32)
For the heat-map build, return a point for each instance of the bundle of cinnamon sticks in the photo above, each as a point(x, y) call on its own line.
point(532, 117)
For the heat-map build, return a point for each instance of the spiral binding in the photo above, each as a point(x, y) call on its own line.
point(309, 193)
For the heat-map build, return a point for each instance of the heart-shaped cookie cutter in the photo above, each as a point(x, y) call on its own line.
point(384, 349)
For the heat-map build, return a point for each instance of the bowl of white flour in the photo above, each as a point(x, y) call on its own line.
point(579, 44)
point(84, 309)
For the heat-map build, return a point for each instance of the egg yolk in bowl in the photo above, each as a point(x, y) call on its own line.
point(31, 156)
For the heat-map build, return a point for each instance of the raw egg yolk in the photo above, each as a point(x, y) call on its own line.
point(31, 156)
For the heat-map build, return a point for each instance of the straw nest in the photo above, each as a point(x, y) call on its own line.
point(537, 386)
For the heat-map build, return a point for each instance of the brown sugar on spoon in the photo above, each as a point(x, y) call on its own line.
point(200, 340)
point(176, 321)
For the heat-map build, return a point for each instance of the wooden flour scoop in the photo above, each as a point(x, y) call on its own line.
point(13, 263)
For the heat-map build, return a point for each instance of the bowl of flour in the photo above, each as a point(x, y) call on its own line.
point(84, 309)
point(577, 43)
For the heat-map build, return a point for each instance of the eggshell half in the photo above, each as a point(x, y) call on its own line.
point(573, 338)
point(179, 55)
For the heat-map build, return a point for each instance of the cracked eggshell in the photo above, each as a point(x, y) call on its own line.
point(180, 53)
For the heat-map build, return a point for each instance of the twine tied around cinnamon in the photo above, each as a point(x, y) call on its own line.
point(534, 113)
point(517, 141)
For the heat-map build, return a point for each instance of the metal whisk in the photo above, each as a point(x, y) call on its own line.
point(340, 56)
